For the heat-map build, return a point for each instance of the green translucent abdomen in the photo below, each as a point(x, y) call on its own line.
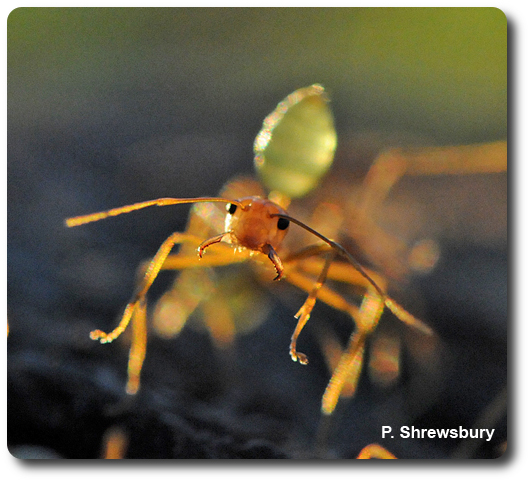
point(296, 145)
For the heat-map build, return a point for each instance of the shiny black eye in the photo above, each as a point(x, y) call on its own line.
point(283, 223)
point(231, 208)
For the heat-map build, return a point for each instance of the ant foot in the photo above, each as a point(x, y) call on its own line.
point(100, 335)
point(298, 356)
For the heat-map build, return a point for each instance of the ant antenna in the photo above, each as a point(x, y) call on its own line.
point(165, 201)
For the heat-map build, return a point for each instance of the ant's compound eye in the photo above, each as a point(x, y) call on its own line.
point(231, 208)
point(283, 224)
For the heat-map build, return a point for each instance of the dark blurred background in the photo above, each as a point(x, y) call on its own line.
point(108, 107)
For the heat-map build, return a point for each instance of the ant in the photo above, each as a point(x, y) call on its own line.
point(255, 225)
point(252, 225)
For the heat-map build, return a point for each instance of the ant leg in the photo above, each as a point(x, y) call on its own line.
point(325, 293)
point(151, 272)
point(342, 272)
point(392, 254)
point(346, 375)
point(392, 164)
point(138, 348)
point(346, 273)
point(149, 277)
point(136, 308)
point(384, 365)
point(375, 451)
point(333, 299)
point(403, 315)
point(304, 313)
point(115, 441)
point(222, 330)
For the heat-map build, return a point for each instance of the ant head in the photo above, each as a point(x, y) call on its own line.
point(255, 222)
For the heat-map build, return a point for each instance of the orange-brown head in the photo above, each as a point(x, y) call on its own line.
point(252, 224)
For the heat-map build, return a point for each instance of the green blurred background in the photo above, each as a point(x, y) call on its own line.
point(439, 69)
